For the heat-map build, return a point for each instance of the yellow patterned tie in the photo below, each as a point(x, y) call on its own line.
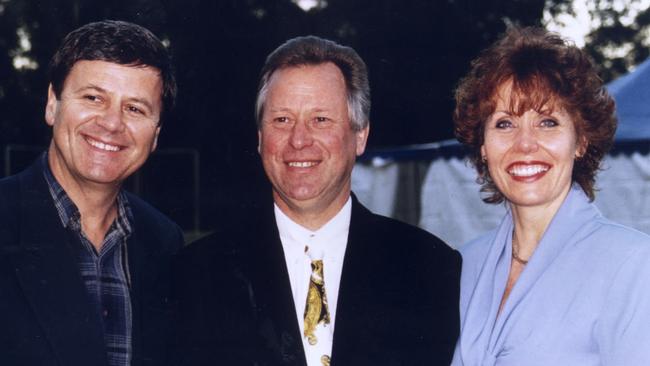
point(316, 310)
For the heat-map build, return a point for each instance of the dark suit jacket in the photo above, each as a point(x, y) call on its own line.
point(46, 318)
point(397, 305)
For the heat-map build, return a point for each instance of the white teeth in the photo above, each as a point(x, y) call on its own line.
point(527, 170)
point(301, 164)
point(103, 146)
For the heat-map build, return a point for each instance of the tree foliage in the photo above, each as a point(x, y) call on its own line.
point(620, 37)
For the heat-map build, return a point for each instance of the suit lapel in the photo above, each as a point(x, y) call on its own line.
point(350, 304)
point(278, 324)
point(49, 276)
point(356, 326)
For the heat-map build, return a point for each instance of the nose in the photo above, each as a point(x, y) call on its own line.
point(111, 119)
point(526, 140)
point(300, 135)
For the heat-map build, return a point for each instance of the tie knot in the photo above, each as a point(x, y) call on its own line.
point(317, 265)
point(317, 271)
point(314, 253)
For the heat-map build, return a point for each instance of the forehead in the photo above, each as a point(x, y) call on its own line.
point(308, 80)
point(115, 77)
point(518, 97)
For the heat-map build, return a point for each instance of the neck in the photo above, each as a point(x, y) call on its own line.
point(311, 217)
point(530, 223)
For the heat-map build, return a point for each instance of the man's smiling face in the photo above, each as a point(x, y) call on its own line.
point(306, 141)
point(105, 122)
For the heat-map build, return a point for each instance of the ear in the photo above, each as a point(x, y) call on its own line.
point(581, 149)
point(51, 106)
point(361, 137)
point(483, 153)
point(155, 139)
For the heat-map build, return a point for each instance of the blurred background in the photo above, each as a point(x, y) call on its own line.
point(207, 171)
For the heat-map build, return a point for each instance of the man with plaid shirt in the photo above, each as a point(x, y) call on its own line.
point(84, 265)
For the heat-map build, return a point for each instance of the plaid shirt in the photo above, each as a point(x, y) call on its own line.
point(105, 274)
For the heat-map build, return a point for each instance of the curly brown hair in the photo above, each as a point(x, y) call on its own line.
point(544, 69)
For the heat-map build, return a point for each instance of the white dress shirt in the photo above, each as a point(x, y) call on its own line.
point(301, 246)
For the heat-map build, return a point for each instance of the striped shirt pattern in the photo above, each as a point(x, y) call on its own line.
point(105, 273)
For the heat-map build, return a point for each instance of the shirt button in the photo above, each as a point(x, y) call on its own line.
point(105, 313)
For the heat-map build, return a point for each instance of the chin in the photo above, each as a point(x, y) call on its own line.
point(103, 177)
point(529, 200)
point(301, 197)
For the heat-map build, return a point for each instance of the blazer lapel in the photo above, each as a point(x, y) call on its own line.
point(48, 273)
point(356, 325)
point(478, 329)
point(278, 324)
point(566, 226)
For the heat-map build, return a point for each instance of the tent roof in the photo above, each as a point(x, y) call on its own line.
point(632, 95)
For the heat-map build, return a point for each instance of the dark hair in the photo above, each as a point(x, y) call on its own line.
point(311, 50)
point(544, 69)
point(117, 42)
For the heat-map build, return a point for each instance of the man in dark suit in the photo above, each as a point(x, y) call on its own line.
point(314, 278)
point(84, 265)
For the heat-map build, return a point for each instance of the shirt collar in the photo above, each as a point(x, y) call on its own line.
point(325, 238)
point(68, 211)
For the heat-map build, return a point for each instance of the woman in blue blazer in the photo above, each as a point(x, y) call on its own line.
point(555, 283)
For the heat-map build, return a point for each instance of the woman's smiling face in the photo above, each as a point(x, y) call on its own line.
point(530, 155)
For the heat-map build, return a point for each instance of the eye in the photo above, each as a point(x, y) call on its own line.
point(504, 124)
point(134, 109)
point(91, 97)
point(281, 119)
point(321, 119)
point(548, 122)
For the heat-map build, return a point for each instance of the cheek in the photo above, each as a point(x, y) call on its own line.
point(345, 140)
point(270, 144)
point(140, 131)
point(150, 139)
point(495, 147)
point(496, 151)
point(495, 173)
point(564, 149)
point(335, 143)
point(73, 118)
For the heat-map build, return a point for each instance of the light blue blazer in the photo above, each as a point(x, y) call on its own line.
point(582, 300)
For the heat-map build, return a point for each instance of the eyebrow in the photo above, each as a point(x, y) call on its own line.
point(97, 88)
point(90, 87)
point(544, 112)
